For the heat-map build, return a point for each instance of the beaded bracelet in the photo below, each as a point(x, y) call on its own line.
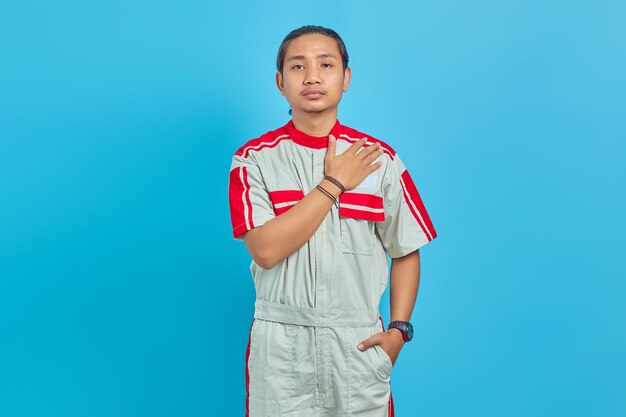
point(334, 181)
point(329, 195)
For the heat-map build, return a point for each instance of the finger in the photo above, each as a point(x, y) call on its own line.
point(370, 149)
point(369, 342)
point(356, 145)
point(373, 167)
point(332, 145)
point(372, 152)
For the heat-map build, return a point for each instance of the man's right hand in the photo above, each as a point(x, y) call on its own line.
point(351, 167)
point(279, 237)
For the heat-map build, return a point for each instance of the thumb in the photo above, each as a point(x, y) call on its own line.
point(332, 145)
point(368, 343)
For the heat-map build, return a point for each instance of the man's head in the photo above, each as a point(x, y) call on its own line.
point(313, 70)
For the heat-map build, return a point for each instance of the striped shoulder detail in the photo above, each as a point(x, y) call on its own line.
point(266, 140)
point(352, 135)
point(240, 202)
point(416, 205)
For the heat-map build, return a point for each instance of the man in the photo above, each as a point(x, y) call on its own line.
point(319, 206)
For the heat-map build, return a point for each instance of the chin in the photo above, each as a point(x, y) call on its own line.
point(316, 109)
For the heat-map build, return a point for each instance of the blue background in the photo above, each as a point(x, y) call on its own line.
point(122, 292)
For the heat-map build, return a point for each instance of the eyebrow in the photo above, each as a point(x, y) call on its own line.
point(295, 57)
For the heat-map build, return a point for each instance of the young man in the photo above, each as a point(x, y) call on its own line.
point(319, 206)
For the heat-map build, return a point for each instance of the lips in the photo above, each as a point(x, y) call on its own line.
point(313, 93)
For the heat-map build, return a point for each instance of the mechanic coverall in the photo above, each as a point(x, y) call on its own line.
point(313, 308)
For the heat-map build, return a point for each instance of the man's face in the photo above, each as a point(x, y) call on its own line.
point(313, 79)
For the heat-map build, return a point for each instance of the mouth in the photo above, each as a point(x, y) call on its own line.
point(313, 94)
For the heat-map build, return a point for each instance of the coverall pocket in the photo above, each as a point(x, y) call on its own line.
point(357, 236)
point(358, 213)
point(387, 365)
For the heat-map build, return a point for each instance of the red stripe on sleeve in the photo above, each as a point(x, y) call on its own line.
point(235, 197)
point(414, 201)
point(240, 203)
point(247, 196)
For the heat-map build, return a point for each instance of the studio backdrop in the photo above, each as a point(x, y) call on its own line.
point(123, 292)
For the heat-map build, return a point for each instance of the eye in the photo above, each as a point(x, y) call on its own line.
point(297, 66)
point(327, 65)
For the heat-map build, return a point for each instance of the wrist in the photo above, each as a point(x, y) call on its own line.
point(335, 181)
point(397, 334)
point(404, 327)
point(331, 187)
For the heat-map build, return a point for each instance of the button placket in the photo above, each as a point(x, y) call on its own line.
point(321, 278)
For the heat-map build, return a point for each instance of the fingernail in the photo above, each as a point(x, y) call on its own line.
point(360, 346)
point(331, 138)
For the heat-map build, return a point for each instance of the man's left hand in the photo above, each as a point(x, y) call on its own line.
point(390, 341)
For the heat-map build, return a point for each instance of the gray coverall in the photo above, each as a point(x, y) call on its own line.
point(313, 308)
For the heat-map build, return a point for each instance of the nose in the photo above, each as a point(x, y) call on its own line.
point(312, 75)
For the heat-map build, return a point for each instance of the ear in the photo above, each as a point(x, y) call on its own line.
point(347, 74)
point(279, 83)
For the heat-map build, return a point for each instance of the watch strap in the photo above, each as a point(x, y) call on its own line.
point(405, 327)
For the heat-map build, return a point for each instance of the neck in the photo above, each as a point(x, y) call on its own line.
point(319, 124)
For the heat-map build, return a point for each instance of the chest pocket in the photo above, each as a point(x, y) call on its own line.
point(357, 214)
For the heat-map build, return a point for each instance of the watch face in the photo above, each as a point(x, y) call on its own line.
point(410, 331)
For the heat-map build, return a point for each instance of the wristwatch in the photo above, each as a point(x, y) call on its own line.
point(405, 327)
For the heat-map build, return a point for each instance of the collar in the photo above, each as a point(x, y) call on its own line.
point(315, 142)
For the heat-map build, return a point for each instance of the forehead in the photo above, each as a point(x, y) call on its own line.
point(311, 45)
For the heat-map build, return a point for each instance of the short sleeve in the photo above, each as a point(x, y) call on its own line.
point(407, 225)
point(250, 205)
